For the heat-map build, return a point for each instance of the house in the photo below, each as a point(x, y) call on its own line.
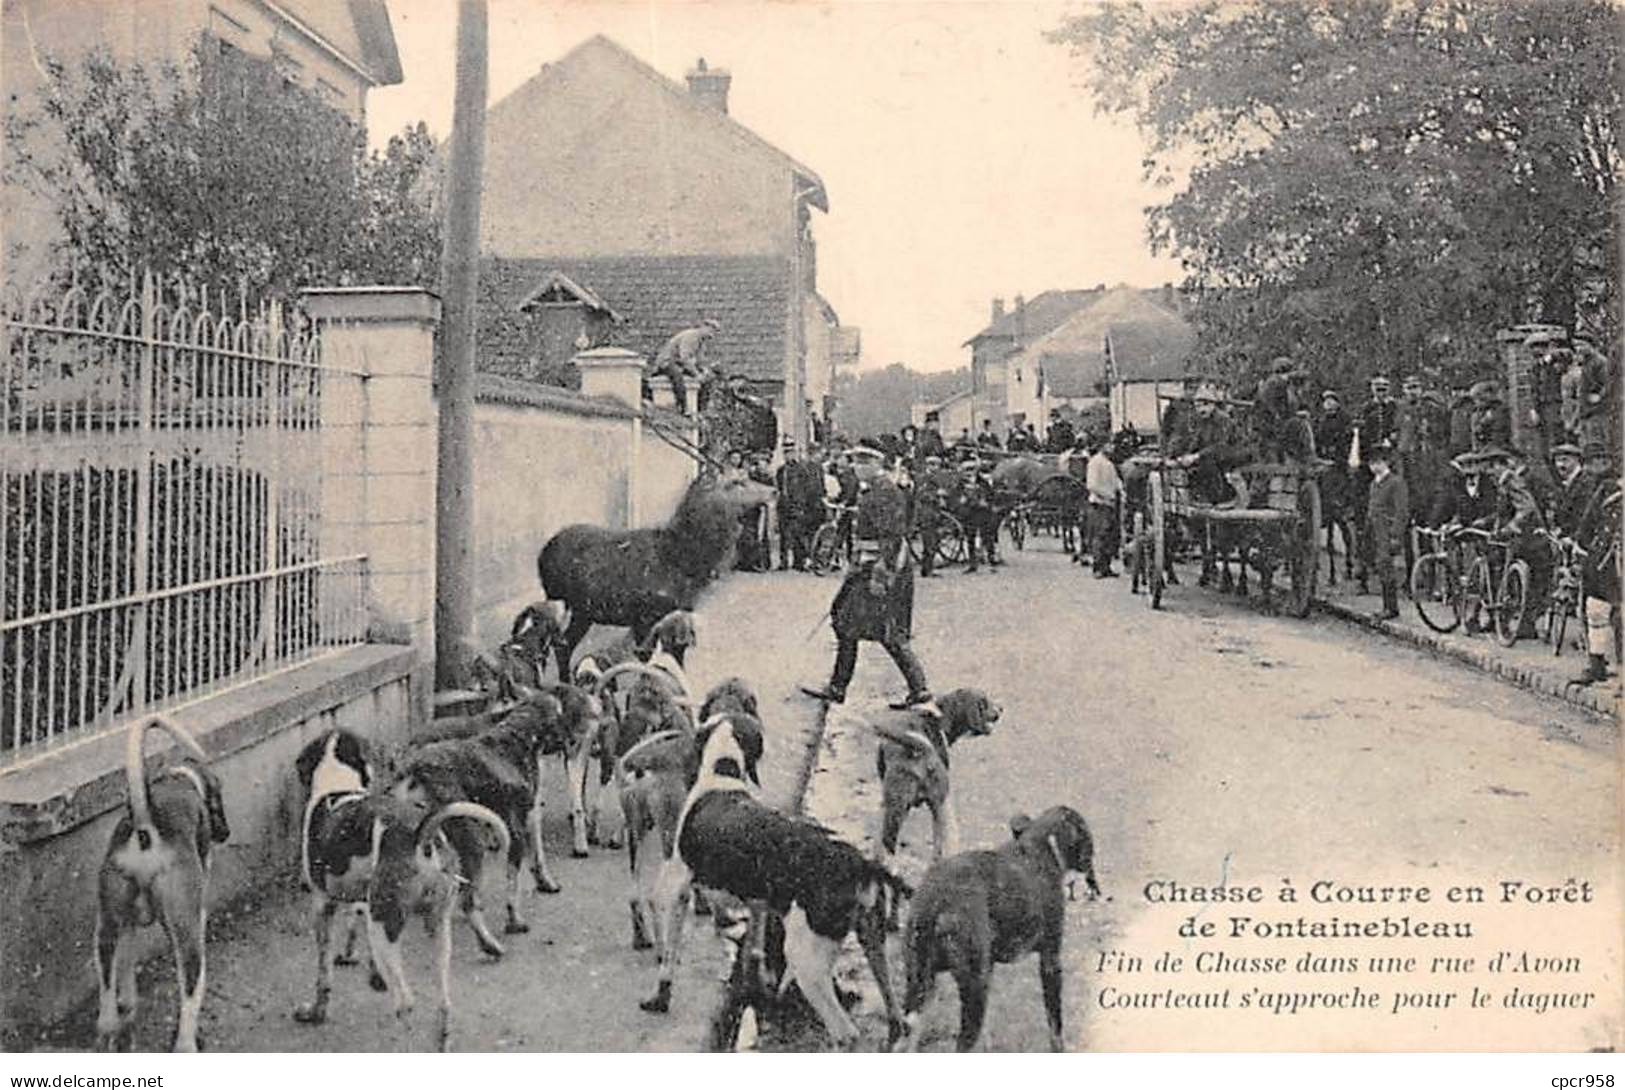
point(954, 415)
point(1007, 332)
point(648, 197)
point(340, 50)
point(1094, 338)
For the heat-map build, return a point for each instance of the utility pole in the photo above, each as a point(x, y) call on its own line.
point(459, 272)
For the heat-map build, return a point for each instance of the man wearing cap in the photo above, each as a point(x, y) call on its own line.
point(682, 357)
point(1573, 487)
point(1598, 409)
point(1212, 451)
point(932, 492)
point(876, 599)
point(987, 437)
point(1280, 431)
point(979, 515)
point(1521, 510)
point(1061, 436)
point(1469, 498)
point(800, 506)
point(1387, 522)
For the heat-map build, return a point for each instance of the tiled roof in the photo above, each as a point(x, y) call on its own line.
point(358, 29)
point(1043, 313)
point(1148, 342)
point(657, 296)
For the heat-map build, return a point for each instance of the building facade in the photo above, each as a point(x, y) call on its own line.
point(341, 51)
point(650, 182)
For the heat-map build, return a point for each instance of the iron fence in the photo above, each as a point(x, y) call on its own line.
point(165, 469)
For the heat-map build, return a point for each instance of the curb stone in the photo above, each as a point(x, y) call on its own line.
point(1599, 700)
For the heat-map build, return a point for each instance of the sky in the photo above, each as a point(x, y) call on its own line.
point(962, 159)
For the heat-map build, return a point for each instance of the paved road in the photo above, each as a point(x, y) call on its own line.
point(1203, 743)
point(1210, 743)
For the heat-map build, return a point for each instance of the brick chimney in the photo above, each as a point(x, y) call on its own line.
point(998, 308)
point(710, 85)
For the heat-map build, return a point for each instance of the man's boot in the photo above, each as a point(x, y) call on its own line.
point(829, 694)
point(1390, 602)
point(1596, 670)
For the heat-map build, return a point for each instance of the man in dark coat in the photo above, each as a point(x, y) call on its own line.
point(800, 509)
point(1387, 521)
point(1061, 436)
point(987, 437)
point(1574, 487)
point(1213, 449)
point(933, 490)
point(1523, 500)
point(876, 599)
point(1492, 420)
point(931, 437)
point(1599, 533)
point(978, 513)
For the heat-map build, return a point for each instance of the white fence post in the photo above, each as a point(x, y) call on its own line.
point(392, 329)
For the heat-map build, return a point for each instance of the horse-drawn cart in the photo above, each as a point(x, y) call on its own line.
point(1277, 527)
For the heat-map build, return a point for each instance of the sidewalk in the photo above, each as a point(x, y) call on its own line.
point(1527, 664)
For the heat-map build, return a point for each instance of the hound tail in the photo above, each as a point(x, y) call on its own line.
point(911, 739)
point(135, 770)
point(472, 810)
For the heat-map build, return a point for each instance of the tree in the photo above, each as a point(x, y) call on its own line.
point(1373, 184)
point(877, 402)
point(225, 174)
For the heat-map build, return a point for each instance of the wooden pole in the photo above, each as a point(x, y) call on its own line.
point(454, 486)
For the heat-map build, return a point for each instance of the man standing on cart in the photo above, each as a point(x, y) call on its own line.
point(876, 599)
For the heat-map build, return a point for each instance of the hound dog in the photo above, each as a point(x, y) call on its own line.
point(655, 776)
point(985, 907)
point(499, 768)
point(657, 700)
point(386, 858)
point(913, 763)
point(157, 868)
point(823, 889)
point(334, 771)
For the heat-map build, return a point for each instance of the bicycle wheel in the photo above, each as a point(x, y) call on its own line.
point(826, 550)
point(1511, 602)
point(951, 541)
point(1434, 591)
point(1557, 621)
point(1477, 597)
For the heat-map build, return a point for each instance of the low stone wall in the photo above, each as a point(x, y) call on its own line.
point(57, 817)
point(546, 458)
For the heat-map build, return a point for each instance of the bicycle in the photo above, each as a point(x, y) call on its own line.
point(826, 552)
point(1567, 597)
point(1451, 581)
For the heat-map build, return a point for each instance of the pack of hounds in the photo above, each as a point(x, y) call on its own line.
point(386, 837)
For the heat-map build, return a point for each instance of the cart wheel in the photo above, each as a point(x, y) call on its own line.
point(1159, 540)
point(1304, 551)
point(1511, 602)
point(826, 550)
point(951, 541)
point(1434, 592)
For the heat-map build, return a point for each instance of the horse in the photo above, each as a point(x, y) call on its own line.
point(633, 578)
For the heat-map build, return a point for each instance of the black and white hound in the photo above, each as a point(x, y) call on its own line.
point(822, 887)
point(157, 869)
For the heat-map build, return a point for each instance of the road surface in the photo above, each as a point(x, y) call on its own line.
point(1205, 744)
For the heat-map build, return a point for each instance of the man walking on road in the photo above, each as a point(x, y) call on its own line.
point(876, 599)
point(1104, 487)
point(1387, 517)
